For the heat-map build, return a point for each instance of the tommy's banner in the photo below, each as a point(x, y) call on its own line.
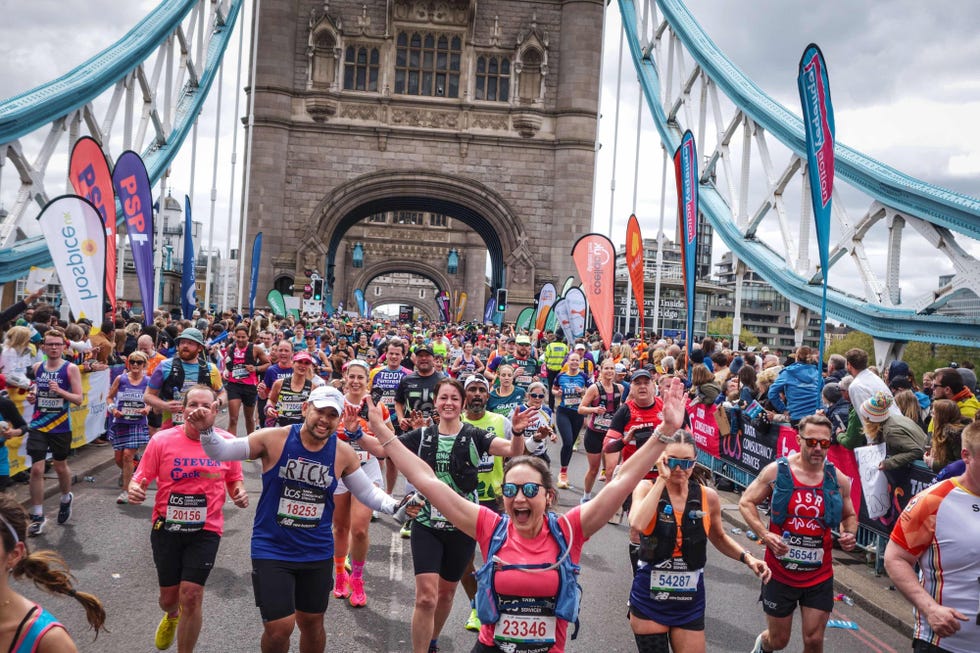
point(188, 289)
point(461, 306)
point(818, 122)
point(75, 236)
point(595, 260)
point(546, 299)
point(524, 319)
point(575, 299)
point(90, 177)
point(634, 263)
point(276, 302)
point(254, 284)
point(132, 186)
point(686, 171)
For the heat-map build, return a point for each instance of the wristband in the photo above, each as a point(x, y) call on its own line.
point(741, 558)
point(356, 435)
point(389, 441)
point(661, 436)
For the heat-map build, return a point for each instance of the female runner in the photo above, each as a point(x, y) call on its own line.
point(569, 386)
point(506, 396)
point(129, 431)
point(668, 597)
point(600, 402)
point(530, 541)
point(351, 518)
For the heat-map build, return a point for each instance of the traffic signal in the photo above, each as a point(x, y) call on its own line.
point(501, 300)
point(317, 290)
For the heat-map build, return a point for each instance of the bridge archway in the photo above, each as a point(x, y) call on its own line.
point(365, 276)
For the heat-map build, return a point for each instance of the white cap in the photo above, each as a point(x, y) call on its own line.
point(476, 378)
point(327, 396)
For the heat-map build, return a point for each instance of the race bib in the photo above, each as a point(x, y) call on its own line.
point(300, 507)
point(435, 515)
point(362, 456)
point(572, 400)
point(177, 418)
point(50, 402)
point(290, 407)
point(666, 580)
point(602, 422)
point(803, 557)
point(239, 373)
point(186, 513)
point(524, 379)
point(526, 629)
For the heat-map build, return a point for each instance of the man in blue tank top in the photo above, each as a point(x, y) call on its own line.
point(292, 538)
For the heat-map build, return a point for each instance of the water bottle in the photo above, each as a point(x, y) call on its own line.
point(751, 535)
point(696, 514)
point(735, 531)
point(416, 498)
point(89, 479)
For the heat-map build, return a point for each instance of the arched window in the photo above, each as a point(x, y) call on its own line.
point(324, 64)
point(427, 65)
point(493, 78)
point(530, 84)
point(361, 68)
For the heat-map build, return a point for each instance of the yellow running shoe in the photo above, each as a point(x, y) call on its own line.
point(473, 623)
point(166, 631)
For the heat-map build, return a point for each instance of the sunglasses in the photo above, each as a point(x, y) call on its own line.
point(137, 362)
point(680, 463)
point(814, 443)
point(530, 490)
point(536, 395)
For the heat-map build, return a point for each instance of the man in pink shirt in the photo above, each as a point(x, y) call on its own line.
point(187, 514)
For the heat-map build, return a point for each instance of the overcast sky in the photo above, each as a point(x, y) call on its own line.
point(902, 76)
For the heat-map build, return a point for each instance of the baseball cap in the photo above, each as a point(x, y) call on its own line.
point(192, 334)
point(580, 345)
point(476, 378)
point(641, 373)
point(302, 356)
point(621, 369)
point(523, 340)
point(424, 349)
point(326, 396)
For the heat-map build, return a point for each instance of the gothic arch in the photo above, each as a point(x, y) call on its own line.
point(464, 199)
point(365, 276)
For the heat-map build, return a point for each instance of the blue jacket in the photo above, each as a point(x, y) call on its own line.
point(797, 389)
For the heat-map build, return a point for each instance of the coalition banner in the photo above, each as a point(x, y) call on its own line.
point(564, 318)
point(132, 186)
point(488, 310)
point(254, 283)
point(87, 419)
point(686, 172)
point(524, 319)
point(276, 302)
point(461, 306)
point(595, 260)
point(818, 122)
point(89, 174)
point(188, 289)
point(577, 308)
point(75, 236)
point(546, 299)
point(361, 302)
point(634, 263)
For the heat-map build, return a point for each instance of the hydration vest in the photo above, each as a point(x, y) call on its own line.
point(461, 469)
point(569, 595)
point(659, 545)
point(175, 379)
point(782, 491)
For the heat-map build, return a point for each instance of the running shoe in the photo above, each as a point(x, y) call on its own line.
point(358, 599)
point(575, 445)
point(758, 645)
point(433, 648)
point(562, 480)
point(123, 497)
point(166, 632)
point(586, 497)
point(36, 526)
point(406, 531)
point(64, 510)
point(473, 623)
point(602, 476)
point(347, 564)
point(341, 588)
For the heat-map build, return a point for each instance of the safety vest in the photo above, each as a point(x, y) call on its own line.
point(554, 355)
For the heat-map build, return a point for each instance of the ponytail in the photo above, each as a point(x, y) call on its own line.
point(50, 572)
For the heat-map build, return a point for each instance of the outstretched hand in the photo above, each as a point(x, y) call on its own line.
point(350, 417)
point(522, 418)
point(673, 411)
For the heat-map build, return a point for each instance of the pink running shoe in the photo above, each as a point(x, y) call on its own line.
point(357, 597)
point(341, 588)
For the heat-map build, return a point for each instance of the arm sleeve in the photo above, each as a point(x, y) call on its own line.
point(368, 493)
point(219, 448)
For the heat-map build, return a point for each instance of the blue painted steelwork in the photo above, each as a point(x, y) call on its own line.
point(941, 207)
point(39, 107)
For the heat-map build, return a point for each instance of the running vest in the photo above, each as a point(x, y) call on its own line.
point(783, 489)
point(289, 403)
point(236, 362)
point(610, 401)
point(294, 518)
point(569, 595)
point(525, 371)
point(174, 381)
point(129, 399)
point(51, 411)
point(384, 383)
point(36, 624)
point(461, 467)
point(661, 543)
point(554, 355)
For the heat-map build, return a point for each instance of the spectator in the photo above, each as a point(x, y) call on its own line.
point(947, 429)
point(866, 383)
point(796, 389)
point(837, 409)
point(704, 388)
point(904, 441)
point(948, 384)
point(836, 368)
point(18, 355)
point(909, 404)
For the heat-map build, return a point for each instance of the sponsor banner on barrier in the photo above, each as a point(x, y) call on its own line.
point(87, 419)
point(704, 427)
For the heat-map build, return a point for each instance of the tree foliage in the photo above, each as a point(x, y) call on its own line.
point(721, 328)
point(922, 357)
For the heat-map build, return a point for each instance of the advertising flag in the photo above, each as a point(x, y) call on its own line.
point(489, 310)
point(90, 177)
point(569, 282)
point(461, 306)
point(575, 299)
point(564, 318)
point(686, 171)
point(595, 260)
point(551, 323)
point(75, 236)
point(634, 263)
point(818, 122)
point(442, 301)
point(361, 302)
point(254, 284)
point(276, 302)
point(188, 295)
point(524, 319)
point(546, 299)
point(132, 186)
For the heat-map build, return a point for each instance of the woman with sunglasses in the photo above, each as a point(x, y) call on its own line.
point(529, 495)
point(506, 396)
point(538, 432)
point(600, 403)
point(667, 600)
point(569, 386)
point(129, 431)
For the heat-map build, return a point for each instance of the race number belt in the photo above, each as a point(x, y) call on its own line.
point(666, 580)
point(300, 507)
point(805, 553)
point(602, 422)
point(526, 625)
point(186, 513)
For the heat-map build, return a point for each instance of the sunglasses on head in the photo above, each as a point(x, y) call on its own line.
point(813, 443)
point(680, 463)
point(536, 395)
point(530, 490)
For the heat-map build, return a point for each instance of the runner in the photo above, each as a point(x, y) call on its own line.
point(129, 431)
point(667, 599)
point(569, 387)
point(527, 604)
point(292, 538)
point(25, 625)
point(282, 368)
point(187, 514)
point(466, 363)
point(57, 383)
point(809, 497)
point(526, 368)
point(538, 432)
point(600, 403)
point(288, 394)
point(506, 396)
point(244, 365)
point(384, 380)
point(175, 376)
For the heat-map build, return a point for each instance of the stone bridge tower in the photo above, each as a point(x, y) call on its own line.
point(393, 124)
